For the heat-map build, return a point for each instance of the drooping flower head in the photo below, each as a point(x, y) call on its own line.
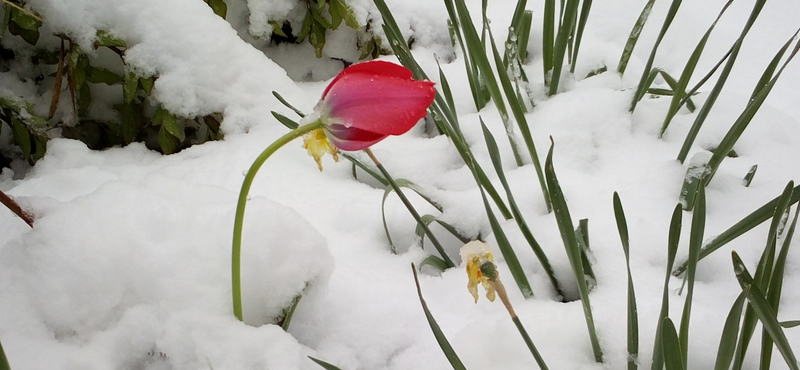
point(475, 254)
point(367, 102)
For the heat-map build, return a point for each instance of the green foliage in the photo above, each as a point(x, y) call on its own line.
point(219, 7)
point(20, 21)
point(633, 315)
point(567, 230)
point(75, 71)
point(717, 89)
point(671, 347)
point(442, 113)
point(324, 364)
point(680, 88)
point(494, 154)
point(27, 128)
point(695, 241)
point(568, 34)
point(444, 344)
point(627, 51)
point(320, 17)
point(3, 360)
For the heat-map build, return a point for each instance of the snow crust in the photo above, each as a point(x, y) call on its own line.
point(128, 265)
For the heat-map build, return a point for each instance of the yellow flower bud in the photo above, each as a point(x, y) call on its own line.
point(317, 144)
point(475, 254)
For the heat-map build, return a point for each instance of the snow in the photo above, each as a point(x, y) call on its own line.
point(128, 265)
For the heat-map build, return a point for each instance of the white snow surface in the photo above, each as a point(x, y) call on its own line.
point(128, 264)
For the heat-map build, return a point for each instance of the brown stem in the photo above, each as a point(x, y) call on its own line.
point(71, 81)
point(59, 80)
point(12, 205)
point(501, 291)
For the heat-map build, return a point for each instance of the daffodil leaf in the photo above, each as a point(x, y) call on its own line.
point(286, 121)
point(762, 310)
point(673, 358)
point(573, 249)
point(3, 359)
point(405, 184)
point(285, 103)
point(727, 343)
point(428, 219)
point(357, 163)
point(790, 323)
point(324, 364)
point(288, 312)
point(444, 344)
point(494, 154)
point(434, 262)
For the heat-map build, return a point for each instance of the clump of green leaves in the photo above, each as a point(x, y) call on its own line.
point(74, 72)
point(27, 128)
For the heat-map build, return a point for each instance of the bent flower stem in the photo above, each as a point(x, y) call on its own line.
point(236, 253)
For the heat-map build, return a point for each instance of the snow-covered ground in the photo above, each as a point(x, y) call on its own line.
point(128, 265)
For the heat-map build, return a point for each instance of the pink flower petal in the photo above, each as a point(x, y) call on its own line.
point(386, 105)
point(374, 67)
point(351, 139)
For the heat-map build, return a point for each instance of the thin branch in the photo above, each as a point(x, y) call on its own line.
point(12, 205)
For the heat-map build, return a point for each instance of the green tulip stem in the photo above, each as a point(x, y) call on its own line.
point(236, 252)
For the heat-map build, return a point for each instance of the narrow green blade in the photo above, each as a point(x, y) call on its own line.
point(746, 224)
point(633, 37)
point(671, 347)
point(324, 364)
point(642, 87)
point(633, 315)
point(727, 343)
point(567, 230)
point(764, 313)
point(695, 241)
point(444, 344)
point(672, 250)
point(494, 154)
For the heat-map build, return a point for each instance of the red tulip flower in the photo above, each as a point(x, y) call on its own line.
point(364, 104)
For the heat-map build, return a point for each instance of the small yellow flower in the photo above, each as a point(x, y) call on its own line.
point(476, 254)
point(317, 144)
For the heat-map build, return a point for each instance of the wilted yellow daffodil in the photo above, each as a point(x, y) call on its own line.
point(475, 254)
point(317, 144)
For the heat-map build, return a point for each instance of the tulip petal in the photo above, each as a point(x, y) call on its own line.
point(374, 67)
point(386, 105)
point(352, 139)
